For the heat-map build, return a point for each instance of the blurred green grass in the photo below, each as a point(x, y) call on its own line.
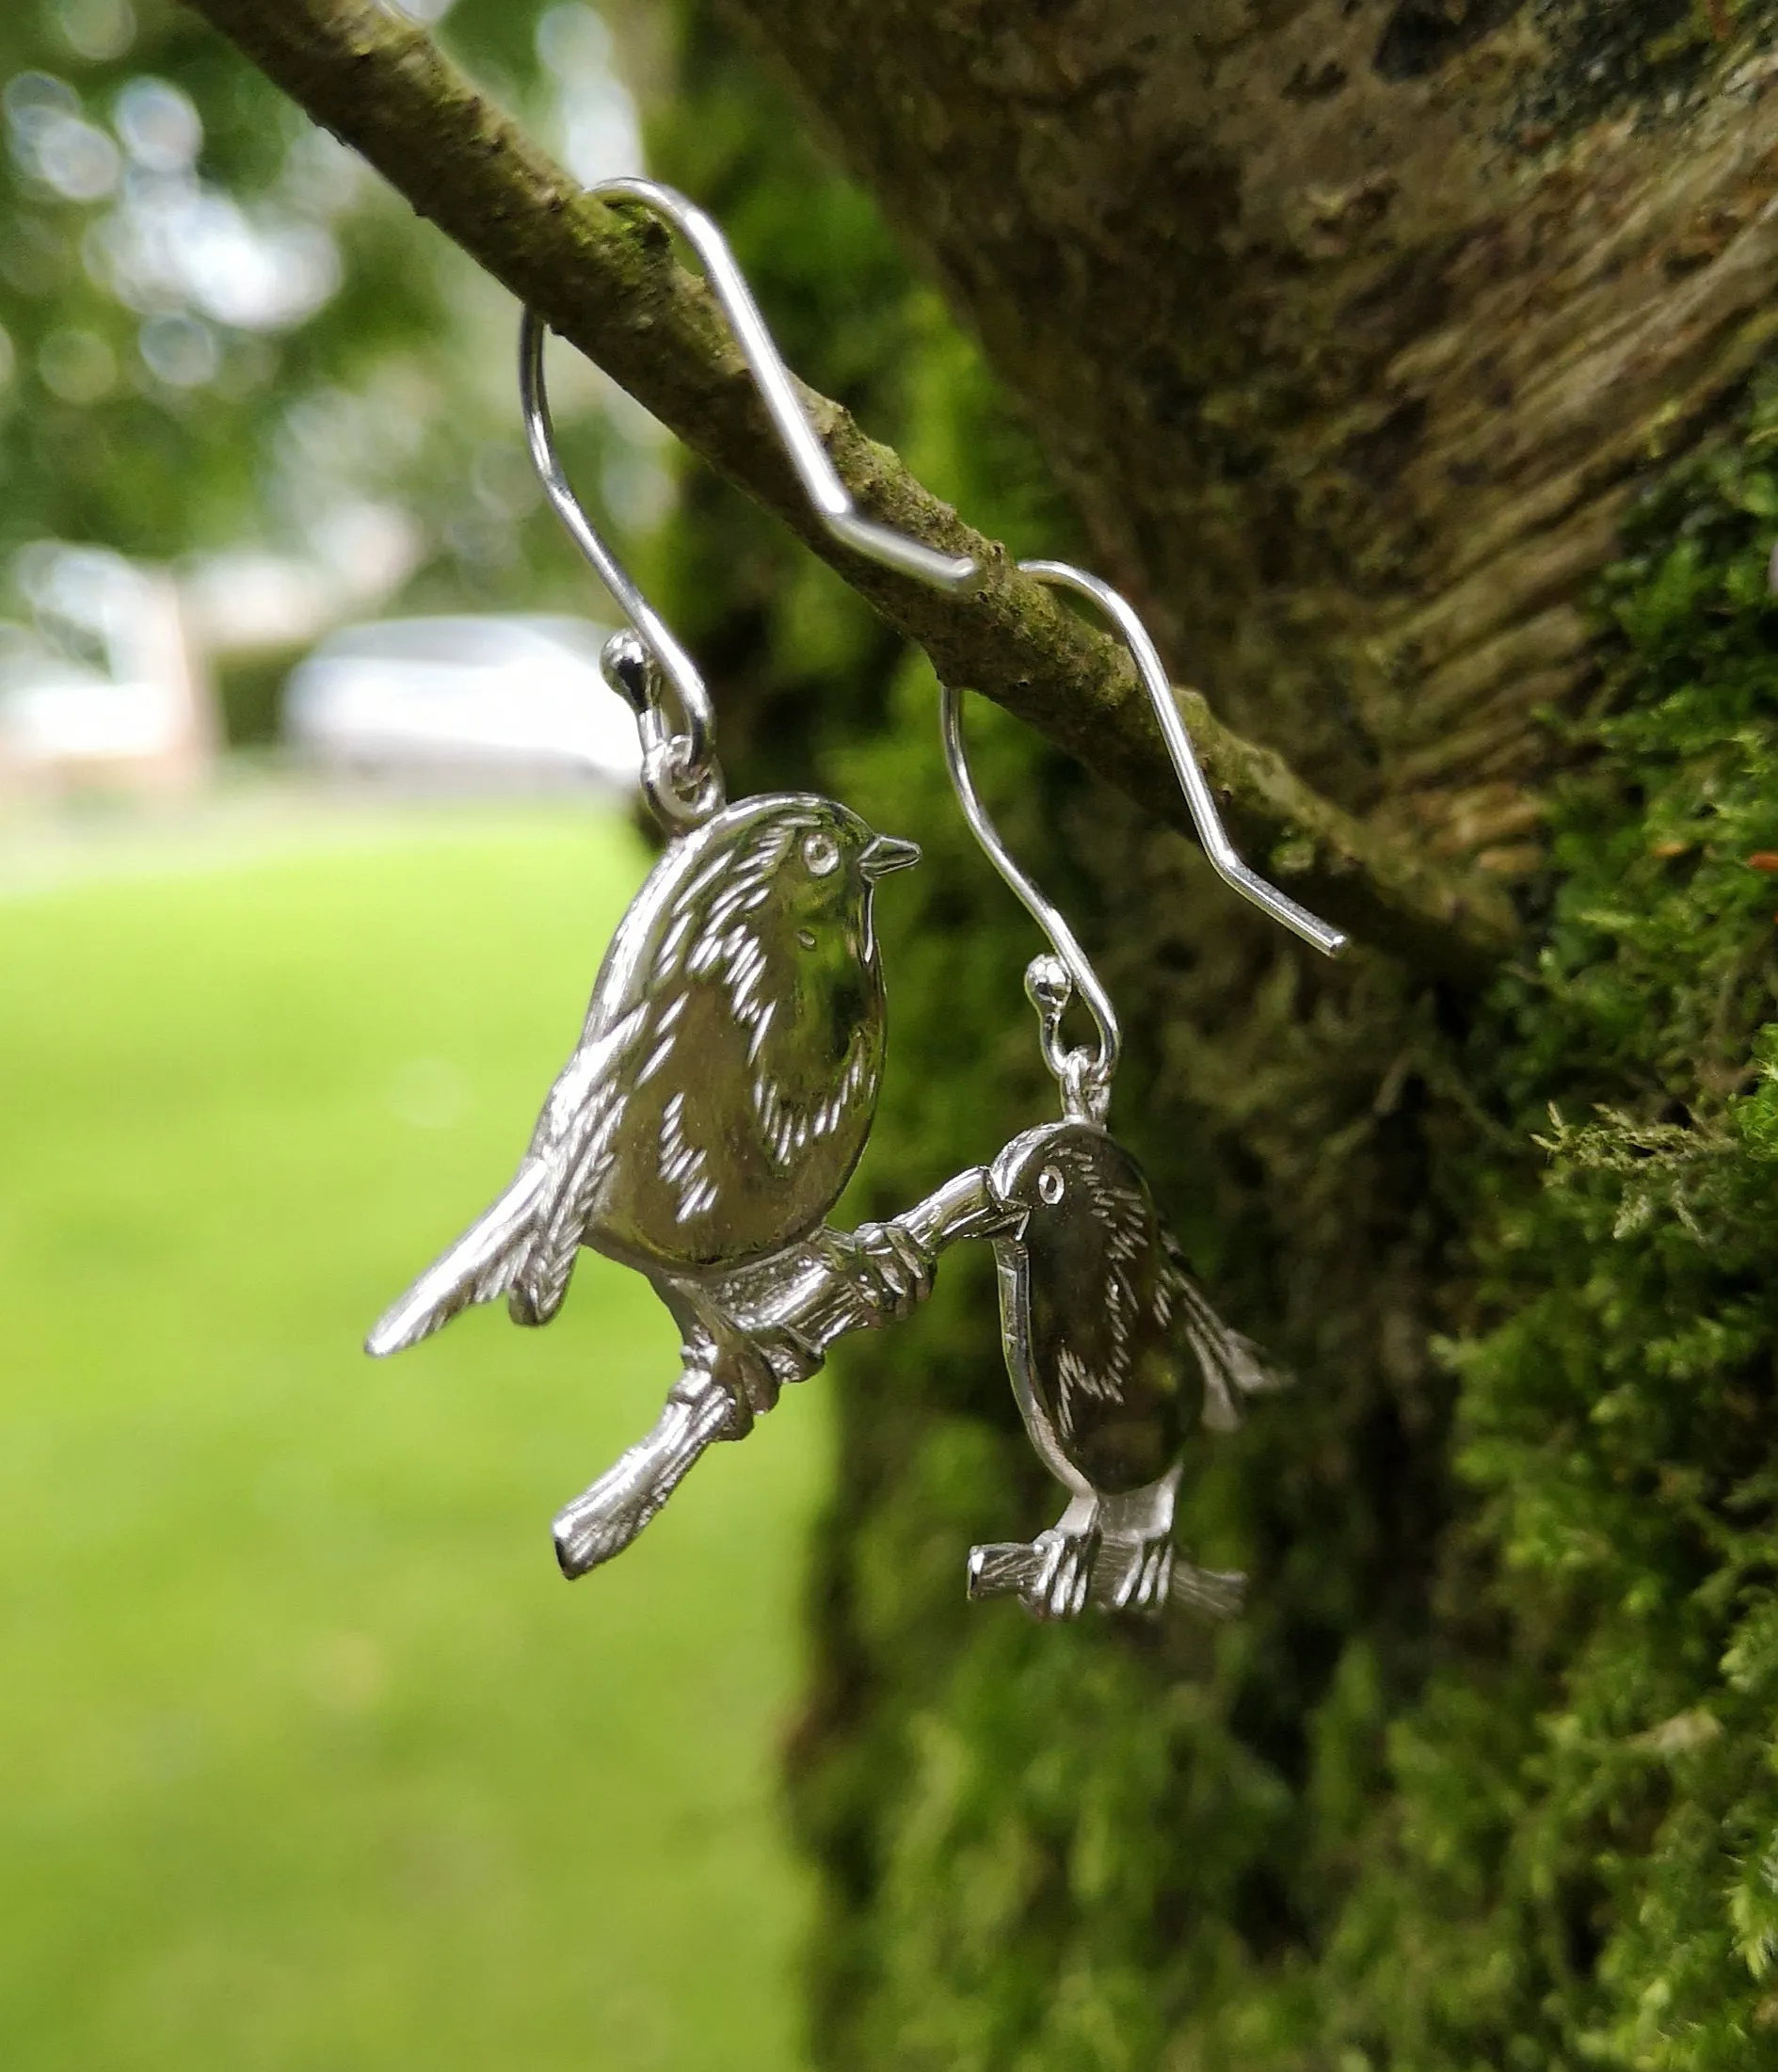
point(308, 1756)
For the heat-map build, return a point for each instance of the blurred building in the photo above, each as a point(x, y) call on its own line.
point(106, 687)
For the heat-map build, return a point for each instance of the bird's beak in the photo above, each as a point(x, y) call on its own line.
point(883, 854)
point(1006, 1217)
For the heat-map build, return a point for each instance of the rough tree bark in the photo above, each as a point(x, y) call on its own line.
point(1366, 337)
point(1349, 327)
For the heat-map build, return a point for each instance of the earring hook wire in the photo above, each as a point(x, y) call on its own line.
point(833, 503)
point(1077, 1072)
point(1225, 858)
point(697, 719)
point(1099, 1071)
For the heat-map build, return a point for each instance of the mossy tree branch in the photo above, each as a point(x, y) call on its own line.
point(611, 286)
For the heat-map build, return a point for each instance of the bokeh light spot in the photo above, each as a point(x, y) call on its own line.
point(179, 350)
point(76, 366)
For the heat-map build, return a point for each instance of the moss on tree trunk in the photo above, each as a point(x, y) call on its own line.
point(1483, 1778)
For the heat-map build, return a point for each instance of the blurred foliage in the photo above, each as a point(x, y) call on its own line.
point(218, 328)
point(1485, 1778)
point(249, 693)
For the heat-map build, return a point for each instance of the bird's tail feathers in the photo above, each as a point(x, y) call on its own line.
point(485, 1262)
point(539, 1285)
point(1234, 1367)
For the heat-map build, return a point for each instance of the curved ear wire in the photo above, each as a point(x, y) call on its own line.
point(1225, 857)
point(1078, 967)
point(826, 492)
point(1085, 1080)
point(697, 717)
point(960, 574)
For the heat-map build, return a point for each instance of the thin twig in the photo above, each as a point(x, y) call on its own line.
point(612, 288)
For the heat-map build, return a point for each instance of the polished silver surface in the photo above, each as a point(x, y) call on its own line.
point(728, 1069)
point(1221, 852)
point(717, 1102)
point(1087, 1080)
point(696, 724)
point(727, 1076)
point(826, 492)
point(1117, 1360)
point(724, 1080)
point(681, 790)
point(1115, 1357)
point(750, 1332)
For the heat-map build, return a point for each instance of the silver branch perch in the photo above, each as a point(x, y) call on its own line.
point(787, 1311)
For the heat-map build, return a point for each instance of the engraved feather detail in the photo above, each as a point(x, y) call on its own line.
point(726, 1077)
point(1099, 1369)
point(1115, 1354)
point(684, 1167)
point(1115, 1359)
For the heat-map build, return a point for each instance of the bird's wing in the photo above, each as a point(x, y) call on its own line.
point(575, 1142)
point(1234, 1367)
point(482, 1264)
point(525, 1246)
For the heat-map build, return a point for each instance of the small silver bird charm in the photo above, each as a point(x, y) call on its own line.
point(1115, 1359)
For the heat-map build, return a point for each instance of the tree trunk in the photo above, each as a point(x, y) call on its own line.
point(1359, 336)
point(1348, 327)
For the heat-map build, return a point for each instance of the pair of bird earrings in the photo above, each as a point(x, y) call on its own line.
point(726, 1078)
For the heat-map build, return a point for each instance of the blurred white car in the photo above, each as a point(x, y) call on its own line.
point(513, 698)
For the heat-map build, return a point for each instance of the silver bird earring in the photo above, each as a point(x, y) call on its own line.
point(1115, 1356)
point(726, 1075)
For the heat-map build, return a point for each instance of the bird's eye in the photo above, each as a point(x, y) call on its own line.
point(807, 938)
point(821, 852)
point(1050, 1186)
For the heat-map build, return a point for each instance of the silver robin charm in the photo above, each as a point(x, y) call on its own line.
point(727, 1073)
point(1116, 1359)
point(724, 1080)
